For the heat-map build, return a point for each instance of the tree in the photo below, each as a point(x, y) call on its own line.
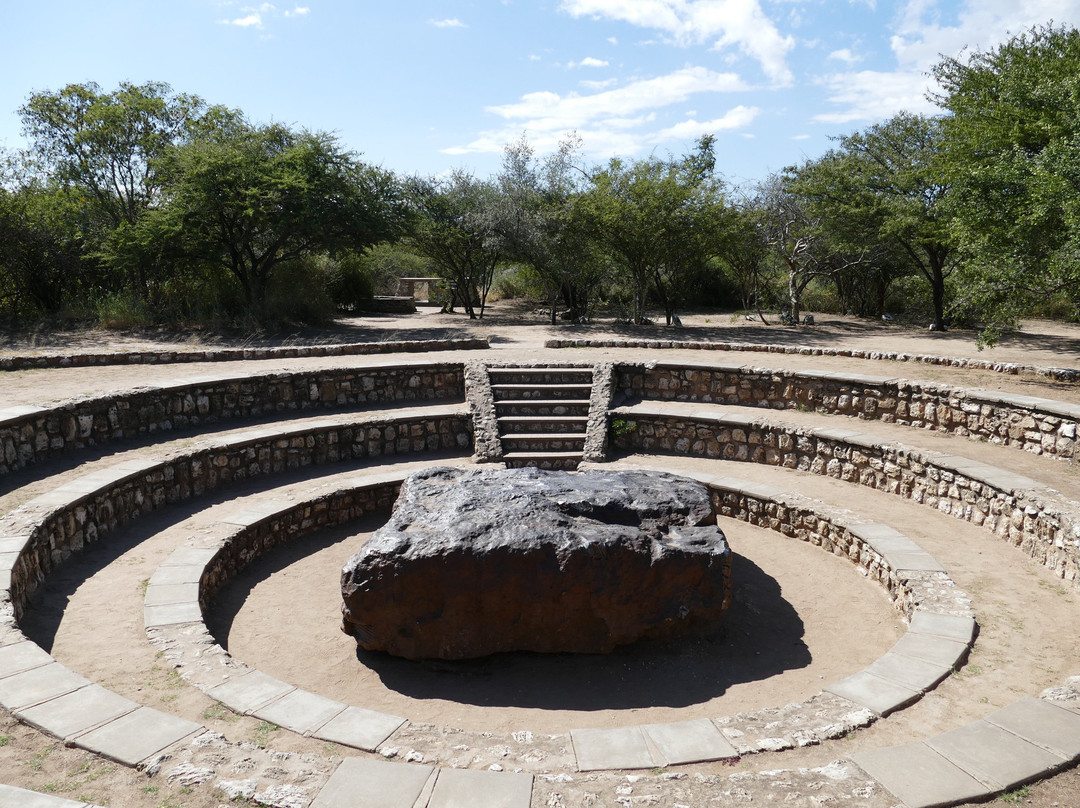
point(883, 185)
point(744, 252)
point(659, 219)
point(252, 198)
point(799, 238)
point(106, 146)
point(543, 223)
point(1013, 158)
point(456, 224)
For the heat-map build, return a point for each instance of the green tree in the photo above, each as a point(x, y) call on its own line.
point(660, 220)
point(544, 226)
point(1012, 157)
point(457, 224)
point(252, 198)
point(883, 185)
point(105, 148)
point(800, 239)
point(744, 253)
point(42, 261)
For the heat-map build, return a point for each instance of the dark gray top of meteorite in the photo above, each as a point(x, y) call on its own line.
point(456, 508)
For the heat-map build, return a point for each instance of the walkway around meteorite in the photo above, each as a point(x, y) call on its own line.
point(1024, 720)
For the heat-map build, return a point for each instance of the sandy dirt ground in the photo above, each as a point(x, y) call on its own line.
point(801, 618)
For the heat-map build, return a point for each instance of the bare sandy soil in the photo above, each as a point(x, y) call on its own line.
point(802, 618)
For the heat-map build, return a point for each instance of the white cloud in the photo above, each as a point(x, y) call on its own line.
point(736, 118)
point(251, 20)
point(452, 22)
point(548, 110)
point(612, 40)
point(845, 55)
point(920, 38)
point(725, 23)
point(599, 85)
point(256, 15)
point(872, 95)
point(589, 61)
point(612, 121)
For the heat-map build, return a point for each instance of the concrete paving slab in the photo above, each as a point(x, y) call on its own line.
point(18, 412)
point(1042, 723)
point(360, 783)
point(180, 574)
point(993, 755)
point(950, 626)
point(190, 557)
point(919, 776)
point(299, 711)
point(247, 693)
point(257, 511)
point(14, 544)
point(913, 562)
point(618, 748)
point(172, 614)
point(881, 696)
point(170, 594)
point(136, 736)
point(874, 532)
point(690, 741)
point(939, 650)
point(466, 788)
point(22, 656)
point(359, 728)
point(12, 797)
point(37, 685)
point(78, 711)
point(916, 674)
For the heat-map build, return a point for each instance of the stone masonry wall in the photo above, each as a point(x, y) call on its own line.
point(62, 522)
point(31, 434)
point(328, 510)
point(166, 357)
point(1040, 523)
point(1037, 425)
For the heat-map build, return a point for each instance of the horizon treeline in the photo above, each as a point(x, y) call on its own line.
point(145, 206)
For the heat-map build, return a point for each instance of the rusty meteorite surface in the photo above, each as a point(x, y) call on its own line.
point(479, 561)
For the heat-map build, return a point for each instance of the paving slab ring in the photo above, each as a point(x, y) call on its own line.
point(936, 643)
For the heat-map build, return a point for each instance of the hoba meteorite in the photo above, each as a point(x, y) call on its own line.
point(478, 561)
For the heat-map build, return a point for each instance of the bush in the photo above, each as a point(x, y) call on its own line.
point(122, 310)
point(300, 292)
point(349, 281)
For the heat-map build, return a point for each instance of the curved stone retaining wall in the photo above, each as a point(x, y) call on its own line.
point(939, 613)
point(40, 534)
point(291, 522)
point(31, 434)
point(236, 354)
point(1037, 425)
point(1019, 510)
point(1011, 368)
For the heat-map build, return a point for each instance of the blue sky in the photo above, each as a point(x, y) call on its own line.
point(423, 87)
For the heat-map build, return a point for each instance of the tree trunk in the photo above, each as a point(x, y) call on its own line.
point(937, 286)
point(794, 297)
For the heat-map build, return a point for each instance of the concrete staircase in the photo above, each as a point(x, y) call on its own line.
point(542, 414)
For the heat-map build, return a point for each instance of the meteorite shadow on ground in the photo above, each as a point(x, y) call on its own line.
point(761, 635)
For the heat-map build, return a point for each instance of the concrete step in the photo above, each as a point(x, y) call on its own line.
point(543, 460)
point(524, 424)
point(542, 407)
point(539, 442)
point(551, 375)
point(557, 390)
